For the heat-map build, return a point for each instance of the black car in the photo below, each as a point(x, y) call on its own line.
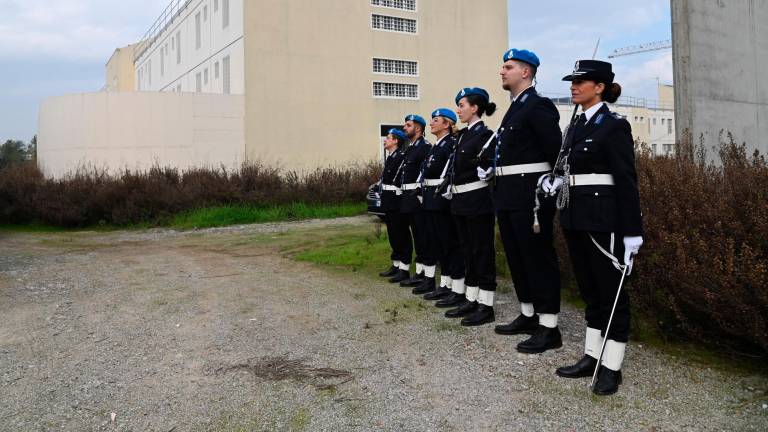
point(373, 199)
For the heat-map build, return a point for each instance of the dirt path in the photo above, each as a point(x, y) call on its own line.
point(218, 330)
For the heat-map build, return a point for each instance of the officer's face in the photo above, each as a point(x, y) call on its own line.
point(390, 143)
point(438, 125)
point(512, 75)
point(410, 128)
point(586, 92)
point(466, 111)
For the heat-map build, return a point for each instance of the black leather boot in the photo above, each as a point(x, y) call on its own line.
point(607, 382)
point(483, 315)
point(521, 325)
point(544, 339)
point(389, 273)
point(463, 310)
point(439, 293)
point(428, 285)
point(583, 368)
point(452, 300)
point(400, 276)
point(414, 281)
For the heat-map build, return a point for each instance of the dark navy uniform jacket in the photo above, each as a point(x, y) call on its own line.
point(390, 201)
point(603, 146)
point(415, 154)
point(529, 133)
point(466, 161)
point(435, 163)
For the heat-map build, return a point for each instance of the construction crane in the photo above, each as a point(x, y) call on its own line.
point(637, 49)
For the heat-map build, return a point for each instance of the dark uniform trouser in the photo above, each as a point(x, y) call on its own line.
point(444, 244)
point(531, 257)
point(598, 281)
point(476, 235)
point(419, 224)
point(399, 237)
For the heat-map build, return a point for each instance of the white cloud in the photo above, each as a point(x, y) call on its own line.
point(72, 29)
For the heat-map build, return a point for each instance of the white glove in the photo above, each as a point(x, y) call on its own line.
point(484, 174)
point(549, 186)
point(448, 194)
point(631, 247)
point(421, 199)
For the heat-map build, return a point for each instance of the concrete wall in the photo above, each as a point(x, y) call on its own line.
point(309, 74)
point(139, 129)
point(120, 72)
point(720, 51)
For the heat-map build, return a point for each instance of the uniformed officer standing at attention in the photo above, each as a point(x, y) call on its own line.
point(472, 209)
point(443, 239)
point(397, 223)
point(529, 140)
point(410, 205)
point(596, 186)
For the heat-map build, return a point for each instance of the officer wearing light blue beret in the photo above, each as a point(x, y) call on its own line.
point(410, 205)
point(472, 211)
point(443, 239)
point(529, 139)
point(391, 197)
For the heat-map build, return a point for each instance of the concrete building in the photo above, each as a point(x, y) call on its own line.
point(319, 82)
point(652, 121)
point(719, 50)
point(120, 71)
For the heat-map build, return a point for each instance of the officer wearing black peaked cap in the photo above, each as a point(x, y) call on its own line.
point(596, 186)
point(529, 139)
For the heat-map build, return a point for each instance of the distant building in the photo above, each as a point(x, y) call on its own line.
point(317, 83)
point(652, 121)
point(120, 70)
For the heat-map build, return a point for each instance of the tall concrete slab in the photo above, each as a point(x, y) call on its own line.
point(720, 51)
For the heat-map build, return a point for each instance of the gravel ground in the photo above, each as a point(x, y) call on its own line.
point(218, 330)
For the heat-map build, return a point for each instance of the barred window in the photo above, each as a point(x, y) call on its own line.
point(386, 22)
point(395, 67)
point(396, 4)
point(395, 90)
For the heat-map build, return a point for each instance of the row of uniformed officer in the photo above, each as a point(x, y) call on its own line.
point(501, 174)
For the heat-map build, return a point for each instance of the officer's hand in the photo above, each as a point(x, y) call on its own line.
point(421, 198)
point(550, 186)
point(631, 248)
point(447, 194)
point(483, 174)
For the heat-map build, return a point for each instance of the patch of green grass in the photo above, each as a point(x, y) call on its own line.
point(360, 250)
point(300, 420)
point(238, 214)
point(403, 310)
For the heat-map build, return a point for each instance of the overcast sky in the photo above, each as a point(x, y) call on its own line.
point(55, 47)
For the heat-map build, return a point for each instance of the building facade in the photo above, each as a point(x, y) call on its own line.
point(323, 80)
point(319, 82)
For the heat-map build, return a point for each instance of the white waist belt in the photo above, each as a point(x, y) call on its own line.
point(386, 187)
point(591, 180)
point(432, 182)
point(469, 187)
point(523, 169)
point(410, 186)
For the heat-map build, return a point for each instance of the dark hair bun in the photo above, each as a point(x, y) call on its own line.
point(612, 92)
point(490, 109)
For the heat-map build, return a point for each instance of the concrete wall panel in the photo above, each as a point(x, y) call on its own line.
point(720, 56)
point(136, 130)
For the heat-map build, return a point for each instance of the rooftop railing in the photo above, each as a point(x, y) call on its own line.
point(627, 101)
point(174, 9)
